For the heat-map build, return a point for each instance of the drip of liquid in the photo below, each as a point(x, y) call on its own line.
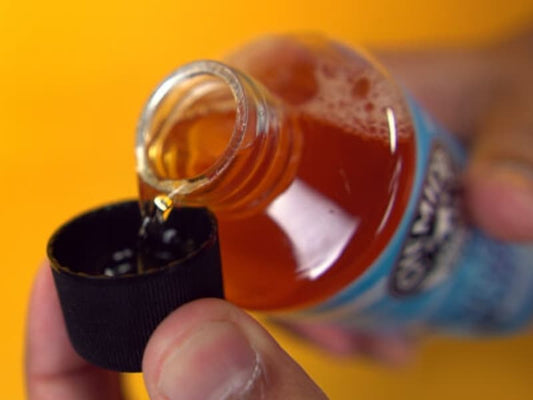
point(158, 243)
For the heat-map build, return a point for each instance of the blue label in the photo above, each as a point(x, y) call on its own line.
point(437, 273)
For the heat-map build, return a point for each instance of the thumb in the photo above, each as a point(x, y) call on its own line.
point(485, 95)
point(499, 180)
point(211, 350)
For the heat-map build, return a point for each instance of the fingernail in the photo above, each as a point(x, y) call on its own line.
point(518, 174)
point(215, 362)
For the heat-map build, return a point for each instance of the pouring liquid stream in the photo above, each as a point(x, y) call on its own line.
point(157, 244)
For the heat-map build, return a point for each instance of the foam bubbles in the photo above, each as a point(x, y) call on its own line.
point(333, 84)
point(356, 97)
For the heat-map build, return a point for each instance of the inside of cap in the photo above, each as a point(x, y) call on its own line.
point(105, 242)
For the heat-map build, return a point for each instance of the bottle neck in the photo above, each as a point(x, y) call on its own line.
point(211, 136)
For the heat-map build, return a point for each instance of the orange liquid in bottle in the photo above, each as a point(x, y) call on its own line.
point(325, 229)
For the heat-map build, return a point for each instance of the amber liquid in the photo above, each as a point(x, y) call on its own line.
point(352, 176)
point(346, 199)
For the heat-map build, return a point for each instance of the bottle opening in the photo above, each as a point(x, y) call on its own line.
point(191, 128)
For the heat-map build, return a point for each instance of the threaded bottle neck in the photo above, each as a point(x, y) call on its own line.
point(211, 136)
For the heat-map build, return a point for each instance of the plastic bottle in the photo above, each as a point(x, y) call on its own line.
point(336, 196)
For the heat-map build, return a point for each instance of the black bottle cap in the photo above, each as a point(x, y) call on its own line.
point(110, 315)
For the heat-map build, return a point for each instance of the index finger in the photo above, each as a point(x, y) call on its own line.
point(53, 369)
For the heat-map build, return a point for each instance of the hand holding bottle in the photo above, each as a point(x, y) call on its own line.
point(484, 96)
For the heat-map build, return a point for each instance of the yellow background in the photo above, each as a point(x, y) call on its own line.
point(73, 78)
